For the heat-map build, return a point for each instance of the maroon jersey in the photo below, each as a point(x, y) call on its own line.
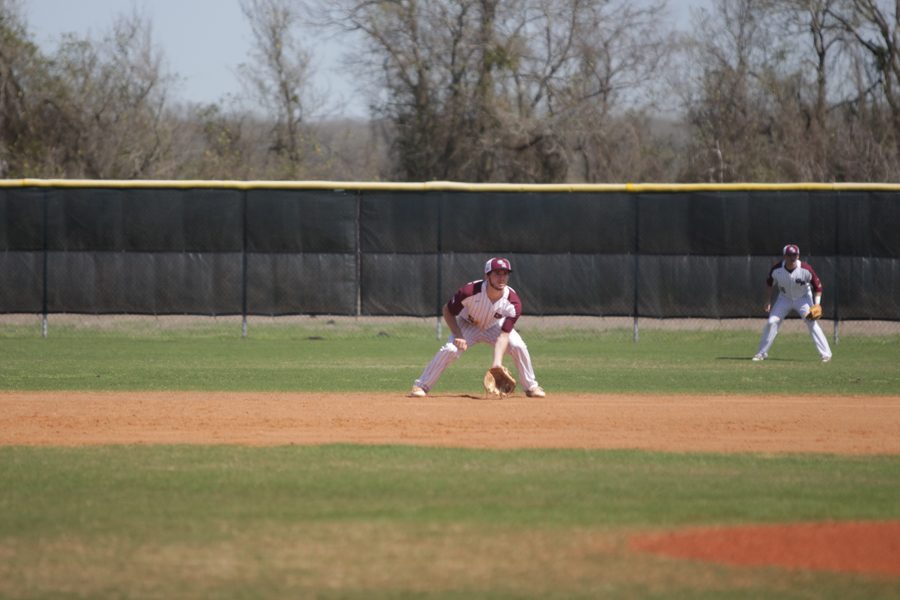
point(472, 305)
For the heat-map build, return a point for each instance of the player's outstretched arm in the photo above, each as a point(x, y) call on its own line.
point(500, 348)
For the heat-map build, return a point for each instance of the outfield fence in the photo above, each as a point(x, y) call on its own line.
point(645, 255)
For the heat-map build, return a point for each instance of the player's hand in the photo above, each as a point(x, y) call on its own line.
point(767, 307)
point(460, 344)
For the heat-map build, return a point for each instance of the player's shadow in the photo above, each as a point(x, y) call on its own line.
point(466, 396)
point(477, 397)
point(744, 358)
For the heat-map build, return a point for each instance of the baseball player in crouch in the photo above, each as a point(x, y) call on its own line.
point(483, 311)
point(799, 289)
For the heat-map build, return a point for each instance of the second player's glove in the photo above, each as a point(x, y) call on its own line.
point(815, 312)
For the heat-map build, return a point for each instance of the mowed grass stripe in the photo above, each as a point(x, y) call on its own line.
point(389, 359)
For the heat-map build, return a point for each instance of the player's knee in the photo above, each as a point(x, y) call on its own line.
point(516, 343)
point(517, 348)
point(520, 354)
point(775, 321)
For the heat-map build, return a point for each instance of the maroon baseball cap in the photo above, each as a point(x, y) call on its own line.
point(791, 249)
point(497, 263)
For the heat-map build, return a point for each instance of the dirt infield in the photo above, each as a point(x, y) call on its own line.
point(680, 423)
point(863, 425)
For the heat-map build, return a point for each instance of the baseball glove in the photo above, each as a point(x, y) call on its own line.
point(498, 381)
point(815, 312)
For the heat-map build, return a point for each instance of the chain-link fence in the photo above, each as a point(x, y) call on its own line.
point(622, 257)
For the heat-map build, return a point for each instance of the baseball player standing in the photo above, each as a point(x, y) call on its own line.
point(798, 288)
point(483, 311)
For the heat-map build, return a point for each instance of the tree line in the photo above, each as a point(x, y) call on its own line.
point(543, 91)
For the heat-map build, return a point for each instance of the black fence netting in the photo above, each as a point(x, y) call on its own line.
point(699, 253)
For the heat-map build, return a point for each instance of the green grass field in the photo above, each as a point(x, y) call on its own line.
point(380, 359)
point(398, 522)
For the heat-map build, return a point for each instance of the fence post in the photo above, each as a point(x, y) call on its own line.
point(439, 297)
point(635, 333)
point(359, 194)
point(244, 264)
point(45, 293)
point(837, 271)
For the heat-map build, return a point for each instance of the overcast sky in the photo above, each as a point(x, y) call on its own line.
point(204, 41)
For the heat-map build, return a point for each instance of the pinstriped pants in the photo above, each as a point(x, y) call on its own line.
point(449, 353)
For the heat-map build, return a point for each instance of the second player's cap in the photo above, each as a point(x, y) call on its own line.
point(497, 263)
point(791, 249)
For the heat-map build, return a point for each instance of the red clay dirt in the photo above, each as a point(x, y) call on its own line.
point(855, 547)
point(850, 425)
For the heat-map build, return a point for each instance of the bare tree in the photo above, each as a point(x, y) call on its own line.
point(212, 141)
point(111, 103)
point(816, 61)
point(748, 104)
point(874, 27)
point(621, 51)
point(795, 90)
point(278, 77)
point(493, 90)
point(93, 109)
point(23, 71)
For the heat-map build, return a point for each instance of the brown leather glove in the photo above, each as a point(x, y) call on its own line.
point(498, 381)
